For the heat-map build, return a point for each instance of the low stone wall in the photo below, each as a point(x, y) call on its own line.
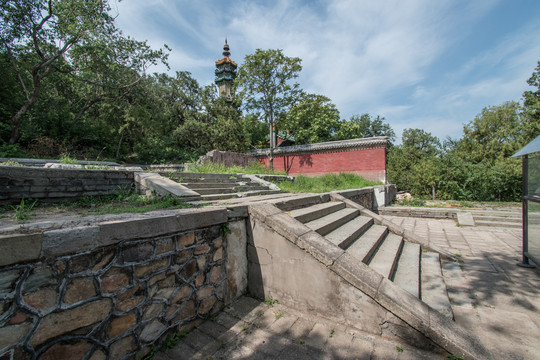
point(111, 290)
point(17, 182)
point(228, 158)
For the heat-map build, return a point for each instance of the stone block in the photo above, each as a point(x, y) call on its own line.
point(319, 247)
point(239, 211)
point(215, 275)
point(115, 282)
point(10, 335)
point(136, 253)
point(185, 240)
point(218, 255)
point(206, 305)
point(72, 240)
point(403, 304)
point(262, 211)
point(152, 331)
point(183, 293)
point(42, 299)
point(128, 304)
point(63, 351)
point(286, 226)
point(8, 279)
point(357, 274)
point(152, 311)
point(201, 249)
point(189, 270)
point(151, 267)
point(112, 232)
point(204, 292)
point(65, 321)
point(187, 311)
point(79, 289)
point(41, 275)
point(164, 245)
point(122, 347)
point(190, 219)
point(122, 324)
point(18, 248)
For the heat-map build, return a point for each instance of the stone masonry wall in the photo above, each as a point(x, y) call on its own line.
point(17, 182)
point(111, 290)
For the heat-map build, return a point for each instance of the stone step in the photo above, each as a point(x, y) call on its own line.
point(332, 221)
point(506, 224)
point(498, 218)
point(344, 235)
point(364, 247)
point(234, 195)
point(385, 258)
point(433, 289)
point(208, 185)
point(211, 191)
point(407, 275)
point(316, 211)
point(213, 197)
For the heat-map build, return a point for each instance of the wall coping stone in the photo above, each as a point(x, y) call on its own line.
point(341, 145)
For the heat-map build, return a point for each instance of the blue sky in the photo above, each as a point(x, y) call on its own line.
point(423, 64)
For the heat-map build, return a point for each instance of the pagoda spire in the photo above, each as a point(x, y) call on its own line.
point(225, 73)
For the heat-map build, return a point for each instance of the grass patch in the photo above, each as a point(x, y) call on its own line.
point(325, 183)
point(255, 168)
point(96, 205)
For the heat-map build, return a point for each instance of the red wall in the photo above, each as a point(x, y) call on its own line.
point(369, 163)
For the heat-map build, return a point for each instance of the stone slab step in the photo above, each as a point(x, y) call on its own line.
point(332, 221)
point(465, 219)
point(515, 218)
point(517, 225)
point(385, 258)
point(316, 211)
point(208, 185)
point(407, 275)
point(344, 235)
point(212, 191)
point(214, 197)
point(364, 247)
point(433, 289)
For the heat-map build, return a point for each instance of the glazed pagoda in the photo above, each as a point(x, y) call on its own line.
point(225, 73)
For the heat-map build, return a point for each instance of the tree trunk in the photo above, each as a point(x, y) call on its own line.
point(433, 191)
point(16, 119)
point(272, 141)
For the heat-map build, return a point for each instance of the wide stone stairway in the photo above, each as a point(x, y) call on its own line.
point(405, 263)
point(222, 186)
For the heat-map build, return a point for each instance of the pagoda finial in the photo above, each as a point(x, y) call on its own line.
point(226, 51)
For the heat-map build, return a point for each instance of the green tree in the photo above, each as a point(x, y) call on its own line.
point(74, 37)
point(494, 134)
point(264, 85)
point(312, 119)
point(531, 105)
point(364, 125)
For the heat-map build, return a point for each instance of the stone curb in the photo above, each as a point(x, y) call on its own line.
point(16, 248)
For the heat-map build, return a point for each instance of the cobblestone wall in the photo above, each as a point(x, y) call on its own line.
point(17, 182)
point(110, 301)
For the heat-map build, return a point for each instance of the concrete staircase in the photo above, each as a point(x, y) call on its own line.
point(407, 264)
point(221, 186)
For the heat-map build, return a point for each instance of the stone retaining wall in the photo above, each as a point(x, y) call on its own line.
point(111, 290)
point(17, 182)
